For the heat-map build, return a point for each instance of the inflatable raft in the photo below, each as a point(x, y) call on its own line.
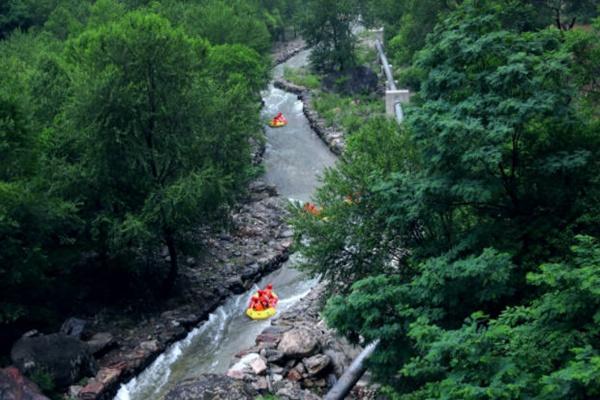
point(262, 314)
point(277, 124)
point(278, 121)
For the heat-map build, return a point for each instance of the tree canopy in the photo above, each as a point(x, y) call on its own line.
point(466, 239)
point(113, 143)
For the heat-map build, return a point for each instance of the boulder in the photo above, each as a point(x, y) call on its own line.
point(150, 346)
point(293, 391)
point(101, 343)
point(261, 384)
point(65, 358)
point(273, 356)
point(212, 387)
point(316, 364)
point(73, 327)
point(243, 367)
point(298, 343)
point(259, 366)
point(14, 386)
point(235, 284)
point(294, 375)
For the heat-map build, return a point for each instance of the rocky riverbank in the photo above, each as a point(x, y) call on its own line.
point(332, 137)
point(108, 348)
point(296, 358)
point(283, 51)
point(116, 345)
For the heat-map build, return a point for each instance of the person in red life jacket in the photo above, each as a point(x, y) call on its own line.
point(258, 302)
point(312, 209)
point(272, 298)
point(253, 301)
point(264, 299)
point(279, 118)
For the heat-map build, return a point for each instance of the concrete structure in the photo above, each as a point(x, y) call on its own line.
point(394, 97)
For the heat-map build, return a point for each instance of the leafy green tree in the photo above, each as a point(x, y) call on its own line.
point(327, 27)
point(224, 22)
point(235, 63)
point(496, 176)
point(547, 348)
point(33, 223)
point(152, 141)
point(346, 241)
point(23, 14)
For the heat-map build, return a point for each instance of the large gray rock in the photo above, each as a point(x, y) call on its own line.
point(316, 364)
point(212, 387)
point(73, 327)
point(65, 358)
point(14, 386)
point(298, 343)
point(293, 391)
point(101, 343)
point(243, 367)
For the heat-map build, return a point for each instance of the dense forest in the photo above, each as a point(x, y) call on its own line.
point(465, 239)
point(125, 127)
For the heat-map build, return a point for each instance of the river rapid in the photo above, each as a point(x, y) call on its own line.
point(294, 160)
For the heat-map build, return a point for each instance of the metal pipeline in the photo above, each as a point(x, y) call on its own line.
point(355, 371)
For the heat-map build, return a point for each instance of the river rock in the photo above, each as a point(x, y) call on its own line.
point(73, 327)
point(150, 346)
point(65, 358)
point(261, 384)
point(273, 356)
point(293, 391)
point(100, 343)
point(14, 386)
point(298, 343)
point(212, 387)
point(259, 366)
point(241, 368)
point(316, 364)
point(235, 284)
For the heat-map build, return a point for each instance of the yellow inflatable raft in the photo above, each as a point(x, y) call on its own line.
point(277, 124)
point(264, 314)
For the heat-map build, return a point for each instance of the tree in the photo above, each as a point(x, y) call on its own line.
point(497, 176)
point(151, 140)
point(228, 23)
point(327, 27)
point(23, 14)
point(547, 348)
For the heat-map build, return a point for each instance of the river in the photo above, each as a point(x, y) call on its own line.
point(294, 159)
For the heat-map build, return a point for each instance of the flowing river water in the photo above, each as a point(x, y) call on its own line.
point(294, 159)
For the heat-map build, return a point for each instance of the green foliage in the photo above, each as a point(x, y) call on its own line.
point(347, 242)
point(224, 22)
point(327, 28)
point(437, 250)
point(173, 166)
point(302, 77)
point(119, 132)
point(545, 349)
point(44, 380)
point(23, 14)
point(347, 113)
point(237, 64)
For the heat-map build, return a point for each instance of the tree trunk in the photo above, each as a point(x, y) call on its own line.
point(174, 268)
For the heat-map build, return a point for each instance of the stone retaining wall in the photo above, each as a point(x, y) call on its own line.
point(333, 138)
